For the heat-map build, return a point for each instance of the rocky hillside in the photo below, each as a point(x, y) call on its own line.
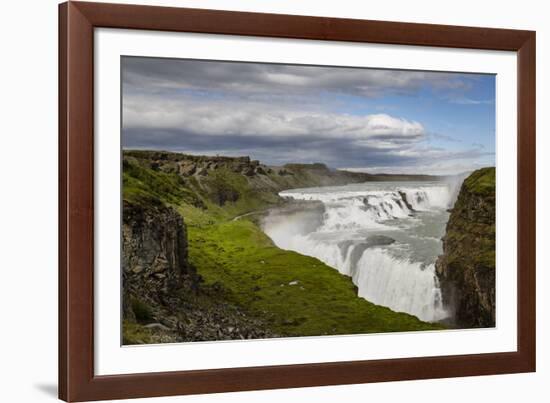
point(260, 176)
point(227, 179)
point(163, 298)
point(466, 270)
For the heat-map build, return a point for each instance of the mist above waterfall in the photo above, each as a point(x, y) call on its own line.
point(385, 235)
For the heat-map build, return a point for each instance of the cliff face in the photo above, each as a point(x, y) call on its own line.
point(154, 261)
point(466, 270)
point(155, 269)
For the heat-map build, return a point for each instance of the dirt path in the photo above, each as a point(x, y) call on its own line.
point(247, 214)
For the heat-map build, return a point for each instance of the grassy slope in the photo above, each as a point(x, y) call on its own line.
point(254, 273)
point(482, 182)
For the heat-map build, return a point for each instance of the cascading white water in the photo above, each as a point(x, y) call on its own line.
point(385, 236)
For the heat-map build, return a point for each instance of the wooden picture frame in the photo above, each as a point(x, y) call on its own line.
point(77, 21)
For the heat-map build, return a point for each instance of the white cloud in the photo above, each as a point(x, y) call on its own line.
point(468, 101)
point(221, 118)
point(433, 162)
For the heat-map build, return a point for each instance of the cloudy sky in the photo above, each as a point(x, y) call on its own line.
point(354, 118)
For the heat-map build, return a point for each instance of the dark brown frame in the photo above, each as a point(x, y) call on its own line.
point(77, 21)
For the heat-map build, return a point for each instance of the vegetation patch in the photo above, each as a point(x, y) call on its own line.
point(481, 182)
point(142, 310)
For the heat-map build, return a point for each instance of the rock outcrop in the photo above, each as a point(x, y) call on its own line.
point(154, 262)
point(466, 270)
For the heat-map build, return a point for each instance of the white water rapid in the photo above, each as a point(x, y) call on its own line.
point(385, 235)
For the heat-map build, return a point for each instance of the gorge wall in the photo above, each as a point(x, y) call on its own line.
point(466, 270)
point(155, 271)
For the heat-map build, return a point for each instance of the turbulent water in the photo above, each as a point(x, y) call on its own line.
point(385, 235)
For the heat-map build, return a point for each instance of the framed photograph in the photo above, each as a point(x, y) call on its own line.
point(255, 201)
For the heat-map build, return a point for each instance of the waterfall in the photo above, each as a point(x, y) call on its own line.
point(348, 238)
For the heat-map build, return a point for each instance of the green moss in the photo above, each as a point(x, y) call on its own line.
point(142, 310)
point(233, 192)
point(481, 182)
point(133, 333)
point(140, 182)
point(470, 235)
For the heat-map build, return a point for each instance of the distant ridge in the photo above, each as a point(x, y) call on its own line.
point(321, 174)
